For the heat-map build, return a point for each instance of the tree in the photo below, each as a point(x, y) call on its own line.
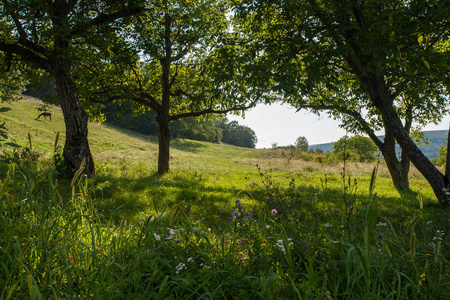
point(301, 143)
point(12, 82)
point(356, 148)
point(182, 72)
point(369, 63)
point(54, 36)
point(238, 135)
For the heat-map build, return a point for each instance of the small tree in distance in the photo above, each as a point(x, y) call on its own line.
point(301, 143)
point(356, 148)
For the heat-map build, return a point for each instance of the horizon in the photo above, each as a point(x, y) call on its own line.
point(281, 124)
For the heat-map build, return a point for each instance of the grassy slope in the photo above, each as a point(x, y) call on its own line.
point(126, 164)
point(199, 192)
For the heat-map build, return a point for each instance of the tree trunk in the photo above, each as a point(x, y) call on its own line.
point(447, 161)
point(164, 143)
point(399, 178)
point(76, 147)
point(392, 121)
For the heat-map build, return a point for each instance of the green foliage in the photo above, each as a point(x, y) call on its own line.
point(356, 148)
point(301, 143)
point(238, 135)
point(187, 128)
point(270, 241)
point(297, 232)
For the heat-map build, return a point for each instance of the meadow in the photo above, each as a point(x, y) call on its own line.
point(225, 223)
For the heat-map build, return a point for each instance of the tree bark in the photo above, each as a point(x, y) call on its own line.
point(392, 121)
point(399, 178)
point(76, 148)
point(164, 143)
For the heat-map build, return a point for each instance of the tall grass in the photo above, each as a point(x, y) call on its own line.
point(271, 241)
point(215, 227)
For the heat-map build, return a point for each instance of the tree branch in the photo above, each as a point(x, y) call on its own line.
point(38, 60)
point(211, 111)
point(107, 18)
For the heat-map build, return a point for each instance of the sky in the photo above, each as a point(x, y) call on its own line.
point(281, 124)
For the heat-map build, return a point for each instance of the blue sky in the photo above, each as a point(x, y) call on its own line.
point(283, 125)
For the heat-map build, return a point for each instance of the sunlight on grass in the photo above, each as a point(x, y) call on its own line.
point(225, 223)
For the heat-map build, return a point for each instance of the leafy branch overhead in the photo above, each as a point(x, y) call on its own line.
point(370, 64)
point(172, 62)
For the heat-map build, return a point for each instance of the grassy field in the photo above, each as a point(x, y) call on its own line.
point(225, 223)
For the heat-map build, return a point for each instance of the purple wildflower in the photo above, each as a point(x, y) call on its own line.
point(237, 201)
point(177, 240)
point(274, 211)
point(268, 198)
point(351, 208)
point(247, 214)
point(381, 235)
point(234, 213)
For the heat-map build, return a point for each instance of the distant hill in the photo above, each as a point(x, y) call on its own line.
point(436, 138)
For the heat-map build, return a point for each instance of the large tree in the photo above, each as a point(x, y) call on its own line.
point(180, 71)
point(53, 36)
point(370, 62)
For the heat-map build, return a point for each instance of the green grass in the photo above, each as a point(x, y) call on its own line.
point(299, 230)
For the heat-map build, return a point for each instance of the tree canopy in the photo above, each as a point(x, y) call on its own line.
point(368, 63)
point(301, 143)
point(356, 148)
point(54, 37)
point(179, 71)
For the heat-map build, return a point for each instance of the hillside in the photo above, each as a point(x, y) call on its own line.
point(112, 143)
point(436, 139)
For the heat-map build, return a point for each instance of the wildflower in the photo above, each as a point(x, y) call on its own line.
point(157, 237)
point(230, 219)
point(267, 199)
point(237, 202)
point(351, 208)
point(263, 244)
point(327, 225)
point(381, 224)
point(280, 244)
point(177, 240)
point(234, 213)
point(190, 259)
point(274, 211)
point(247, 214)
point(381, 235)
point(180, 267)
point(422, 278)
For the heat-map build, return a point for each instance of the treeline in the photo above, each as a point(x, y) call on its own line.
point(213, 130)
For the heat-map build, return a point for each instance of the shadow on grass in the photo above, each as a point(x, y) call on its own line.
point(212, 202)
point(131, 199)
point(186, 145)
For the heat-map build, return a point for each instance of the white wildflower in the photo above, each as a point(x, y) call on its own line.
point(157, 237)
point(190, 259)
point(381, 224)
point(181, 266)
point(327, 225)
